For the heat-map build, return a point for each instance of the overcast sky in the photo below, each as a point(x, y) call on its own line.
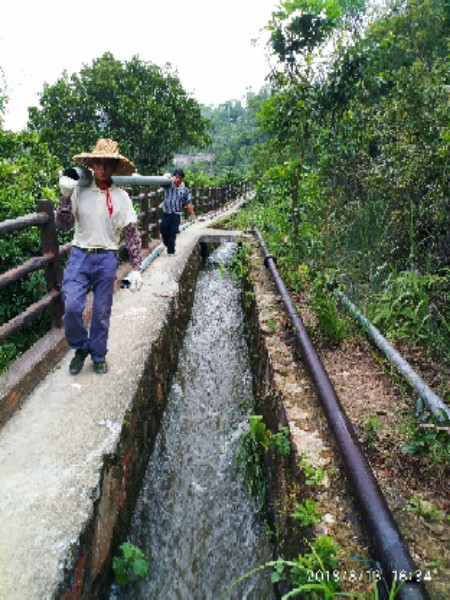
point(210, 43)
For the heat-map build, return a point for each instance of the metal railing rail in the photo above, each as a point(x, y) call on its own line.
point(49, 261)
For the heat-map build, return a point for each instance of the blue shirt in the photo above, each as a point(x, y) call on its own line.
point(175, 199)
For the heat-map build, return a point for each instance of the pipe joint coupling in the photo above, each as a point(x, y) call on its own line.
point(266, 259)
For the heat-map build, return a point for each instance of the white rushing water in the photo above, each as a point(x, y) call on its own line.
point(193, 519)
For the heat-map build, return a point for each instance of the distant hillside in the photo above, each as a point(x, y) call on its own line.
point(184, 160)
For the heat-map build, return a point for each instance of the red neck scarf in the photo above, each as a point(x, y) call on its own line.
point(105, 186)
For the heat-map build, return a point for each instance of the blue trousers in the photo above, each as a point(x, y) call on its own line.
point(170, 224)
point(82, 273)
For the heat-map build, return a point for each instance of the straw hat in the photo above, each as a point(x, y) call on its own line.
point(106, 148)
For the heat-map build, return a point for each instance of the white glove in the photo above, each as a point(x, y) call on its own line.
point(136, 281)
point(67, 185)
point(192, 218)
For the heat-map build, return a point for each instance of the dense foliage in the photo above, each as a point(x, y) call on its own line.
point(353, 177)
point(139, 104)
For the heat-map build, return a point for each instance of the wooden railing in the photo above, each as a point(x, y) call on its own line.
point(49, 261)
point(204, 200)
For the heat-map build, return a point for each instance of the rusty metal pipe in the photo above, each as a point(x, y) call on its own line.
point(387, 544)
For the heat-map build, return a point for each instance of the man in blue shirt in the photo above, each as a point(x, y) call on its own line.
point(176, 197)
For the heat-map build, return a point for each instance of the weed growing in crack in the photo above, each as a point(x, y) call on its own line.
point(281, 442)
point(307, 513)
point(132, 565)
point(314, 474)
point(249, 461)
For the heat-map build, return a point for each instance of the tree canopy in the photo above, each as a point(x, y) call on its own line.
point(139, 104)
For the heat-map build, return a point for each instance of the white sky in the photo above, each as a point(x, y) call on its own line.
point(209, 44)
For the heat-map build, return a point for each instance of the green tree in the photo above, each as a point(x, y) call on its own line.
point(142, 106)
point(299, 31)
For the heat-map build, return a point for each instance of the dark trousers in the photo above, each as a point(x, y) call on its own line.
point(170, 224)
point(82, 273)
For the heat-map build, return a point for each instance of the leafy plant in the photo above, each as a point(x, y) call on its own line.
point(330, 322)
point(266, 439)
point(403, 308)
point(252, 446)
point(249, 460)
point(272, 325)
point(238, 264)
point(314, 474)
point(307, 513)
point(131, 565)
point(281, 441)
point(321, 559)
point(372, 429)
point(423, 508)
point(111, 98)
point(259, 432)
point(315, 575)
point(431, 439)
point(28, 171)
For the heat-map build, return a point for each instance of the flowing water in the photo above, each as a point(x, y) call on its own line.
point(193, 519)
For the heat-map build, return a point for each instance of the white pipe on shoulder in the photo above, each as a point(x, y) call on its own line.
point(140, 180)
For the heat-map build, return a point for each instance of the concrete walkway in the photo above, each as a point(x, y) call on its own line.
point(51, 450)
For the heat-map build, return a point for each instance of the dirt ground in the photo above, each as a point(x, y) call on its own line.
point(379, 406)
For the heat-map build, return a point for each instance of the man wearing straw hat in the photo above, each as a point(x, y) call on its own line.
point(100, 212)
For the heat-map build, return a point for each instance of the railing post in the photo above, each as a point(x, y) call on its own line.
point(156, 200)
point(143, 199)
point(53, 273)
point(194, 200)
